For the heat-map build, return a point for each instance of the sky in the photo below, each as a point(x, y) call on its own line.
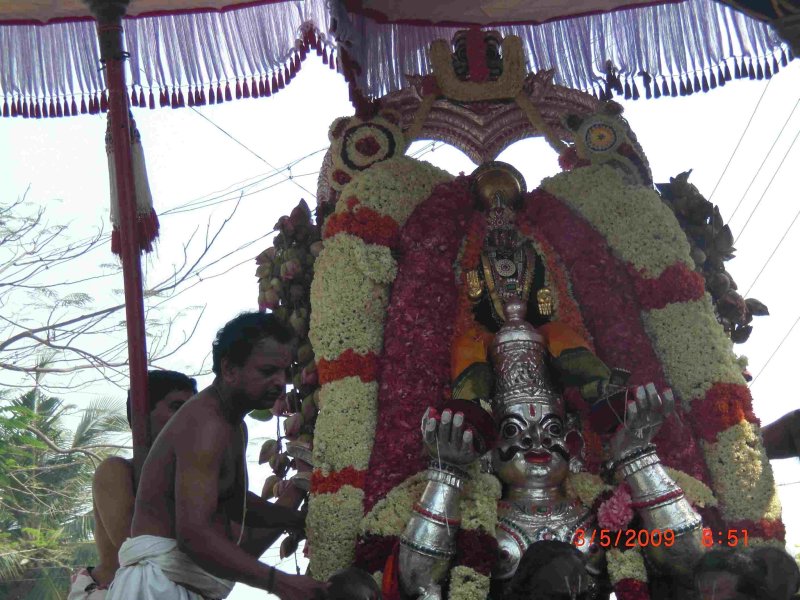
point(213, 152)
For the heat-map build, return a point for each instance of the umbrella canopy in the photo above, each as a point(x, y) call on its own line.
point(185, 52)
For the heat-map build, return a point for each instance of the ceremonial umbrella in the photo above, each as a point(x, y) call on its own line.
point(193, 52)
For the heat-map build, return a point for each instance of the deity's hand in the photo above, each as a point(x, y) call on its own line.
point(642, 420)
point(448, 438)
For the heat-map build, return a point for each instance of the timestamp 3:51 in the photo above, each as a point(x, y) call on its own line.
point(731, 537)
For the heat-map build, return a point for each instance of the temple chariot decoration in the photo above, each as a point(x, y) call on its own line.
point(476, 347)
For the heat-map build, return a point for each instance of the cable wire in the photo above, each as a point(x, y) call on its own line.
point(764, 266)
point(251, 151)
point(763, 162)
point(766, 189)
point(739, 143)
point(774, 352)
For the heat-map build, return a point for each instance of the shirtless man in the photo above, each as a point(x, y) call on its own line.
point(184, 543)
point(113, 487)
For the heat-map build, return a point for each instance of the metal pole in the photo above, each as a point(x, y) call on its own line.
point(109, 15)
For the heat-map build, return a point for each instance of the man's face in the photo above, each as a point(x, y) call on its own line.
point(165, 408)
point(532, 450)
point(261, 380)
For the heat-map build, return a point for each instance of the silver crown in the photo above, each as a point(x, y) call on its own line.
point(519, 356)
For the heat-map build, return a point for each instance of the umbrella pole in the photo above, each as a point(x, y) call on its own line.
point(109, 15)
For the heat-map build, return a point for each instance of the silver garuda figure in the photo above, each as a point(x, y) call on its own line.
point(532, 460)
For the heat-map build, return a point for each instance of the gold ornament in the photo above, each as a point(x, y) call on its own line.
point(474, 286)
point(544, 298)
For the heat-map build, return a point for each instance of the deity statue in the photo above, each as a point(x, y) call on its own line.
point(532, 459)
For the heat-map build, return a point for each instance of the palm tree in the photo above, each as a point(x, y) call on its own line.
point(46, 471)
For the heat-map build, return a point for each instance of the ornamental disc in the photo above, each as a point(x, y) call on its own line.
point(600, 137)
point(505, 267)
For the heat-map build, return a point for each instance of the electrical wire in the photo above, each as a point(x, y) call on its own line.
point(739, 143)
point(764, 266)
point(766, 189)
point(763, 162)
point(774, 352)
point(251, 151)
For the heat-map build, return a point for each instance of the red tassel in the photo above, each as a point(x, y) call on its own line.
point(292, 69)
point(674, 89)
point(245, 89)
point(760, 72)
point(775, 67)
point(37, 112)
point(228, 96)
point(303, 51)
point(627, 90)
point(212, 95)
point(325, 56)
point(134, 98)
point(174, 103)
point(737, 73)
point(59, 111)
point(141, 98)
point(25, 113)
point(254, 88)
point(705, 83)
point(656, 90)
point(104, 101)
point(333, 63)
point(238, 89)
point(274, 84)
point(5, 107)
point(74, 108)
point(84, 110)
point(265, 83)
point(635, 90)
point(751, 72)
point(262, 88)
point(190, 95)
point(767, 70)
point(51, 110)
point(664, 87)
point(181, 101)
point(152, 101)
point(281, 84)
point(200, 97)
point(162, 99)
point(712, 80)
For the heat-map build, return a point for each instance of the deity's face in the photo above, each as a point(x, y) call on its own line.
point(532, 451)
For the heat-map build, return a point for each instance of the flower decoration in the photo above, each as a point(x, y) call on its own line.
point(616, 513)
point(357, 144)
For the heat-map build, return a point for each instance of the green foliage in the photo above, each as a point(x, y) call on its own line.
point(46, 470)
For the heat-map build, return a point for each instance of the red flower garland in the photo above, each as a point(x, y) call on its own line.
point(723, 406)
point(677, 283)
point(771, 530)
point(477, 549)
point(329, 484)
point(366, 223)
point(631, 589)
point(414, 369)
point(348, 364)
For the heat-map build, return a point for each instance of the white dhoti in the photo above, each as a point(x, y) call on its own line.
point(152, 568)
point(84, 587)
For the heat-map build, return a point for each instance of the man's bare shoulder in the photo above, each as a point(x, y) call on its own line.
point(200, 418)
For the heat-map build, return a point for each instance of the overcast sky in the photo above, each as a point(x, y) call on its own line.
point(63, 161)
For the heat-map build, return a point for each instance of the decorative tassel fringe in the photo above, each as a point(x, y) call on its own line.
point(147, 224)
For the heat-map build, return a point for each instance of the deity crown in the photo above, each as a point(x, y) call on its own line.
point(519, 356)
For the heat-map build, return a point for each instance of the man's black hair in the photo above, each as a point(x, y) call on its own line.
point(236, 340)
point(161, 383)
